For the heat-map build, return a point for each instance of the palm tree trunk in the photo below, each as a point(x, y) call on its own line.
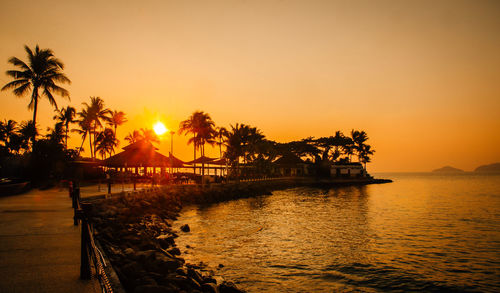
point(95, 132)
point(202, 162)
point(194, 164)
point(34, 97)
point(90, 145)
point(66, 145)
point(83, 140)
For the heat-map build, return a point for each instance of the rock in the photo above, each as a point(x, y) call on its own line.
point(129, 252)
point(195, 284)
point(165, 240)
point(132, 270)
point(145, 255)
point(229, 287)
point(209, 279)
point(174, 251)
point(152, 289)
point(185, 228)
point(181, 271)
point(167, 263)
point(209, 288)
point(194, 275)
point(221, 266)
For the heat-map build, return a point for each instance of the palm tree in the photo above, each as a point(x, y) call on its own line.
point(106, 142)
point(221, 133)
point(149, 135)
point(358, 138)
point(66, 116)
point(133, 137)
point(85, 129)
point(116, 119)
point(364, 154)
point(42, 72)
point(27, 132)
point(57, 133)
point(201, 126)
point(97, 113)
point(7, 129)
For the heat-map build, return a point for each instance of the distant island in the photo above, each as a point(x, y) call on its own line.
point(448, 169)
point(491, 168)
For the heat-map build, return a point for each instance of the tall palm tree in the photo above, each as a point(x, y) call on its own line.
point(41, 72)
point(201, 126)
point(66, 116)
point(98, 114)
point(221, 133)
point(116, 119)
point(85, 128)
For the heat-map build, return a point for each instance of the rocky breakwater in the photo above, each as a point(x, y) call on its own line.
point(136, 234)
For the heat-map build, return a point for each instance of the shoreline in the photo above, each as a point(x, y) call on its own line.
point(135, 230)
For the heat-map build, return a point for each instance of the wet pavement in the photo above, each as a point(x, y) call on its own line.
point(39, 245)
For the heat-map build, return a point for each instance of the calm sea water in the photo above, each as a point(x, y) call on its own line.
point(424, 232)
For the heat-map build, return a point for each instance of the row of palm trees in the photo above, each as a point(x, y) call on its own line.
point(248, 145)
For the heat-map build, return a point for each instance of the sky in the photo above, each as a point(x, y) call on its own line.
point(422, 78)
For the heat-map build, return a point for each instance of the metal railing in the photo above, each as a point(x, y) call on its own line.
point(89, 251)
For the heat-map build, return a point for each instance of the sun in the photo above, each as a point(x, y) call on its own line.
point(159, 128)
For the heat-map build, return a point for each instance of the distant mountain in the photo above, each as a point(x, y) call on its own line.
point(448, 169)
point(491, 168)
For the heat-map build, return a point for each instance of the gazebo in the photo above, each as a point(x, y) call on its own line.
point(219, 163)
point(141, 154)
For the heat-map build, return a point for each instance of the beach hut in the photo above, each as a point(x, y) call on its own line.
point(347, 170)
point(290, 165)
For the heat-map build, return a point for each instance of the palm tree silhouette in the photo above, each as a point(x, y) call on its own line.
point(221, 133)
point(66, 116)
point(7, 130)
point(96, 112)
point(42, 72)
point(133, 137)
point(116, 119)
point(106, 142)
point(201, 126)
point(85, 128)
point(358, 138)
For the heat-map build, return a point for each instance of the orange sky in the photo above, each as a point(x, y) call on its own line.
point(421, 77)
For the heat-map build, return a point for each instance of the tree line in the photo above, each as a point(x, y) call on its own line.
point(247, 145)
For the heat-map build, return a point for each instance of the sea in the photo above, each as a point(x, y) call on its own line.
point(424, 232)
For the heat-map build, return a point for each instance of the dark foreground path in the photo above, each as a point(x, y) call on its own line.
point(39, 245)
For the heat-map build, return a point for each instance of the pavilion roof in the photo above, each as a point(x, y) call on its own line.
point(200, 160)
point(176, 163)
point(221, 161)
point(140, 144)
point(139, 154)
point(289, 159)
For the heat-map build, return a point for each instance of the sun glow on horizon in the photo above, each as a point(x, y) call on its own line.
point(159, 128)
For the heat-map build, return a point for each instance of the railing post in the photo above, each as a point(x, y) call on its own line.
point(84, 256)
point(76, 199)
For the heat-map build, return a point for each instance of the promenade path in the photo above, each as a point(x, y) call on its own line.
point(39, 245)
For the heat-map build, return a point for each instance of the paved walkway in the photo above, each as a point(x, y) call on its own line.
point(39, 245)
